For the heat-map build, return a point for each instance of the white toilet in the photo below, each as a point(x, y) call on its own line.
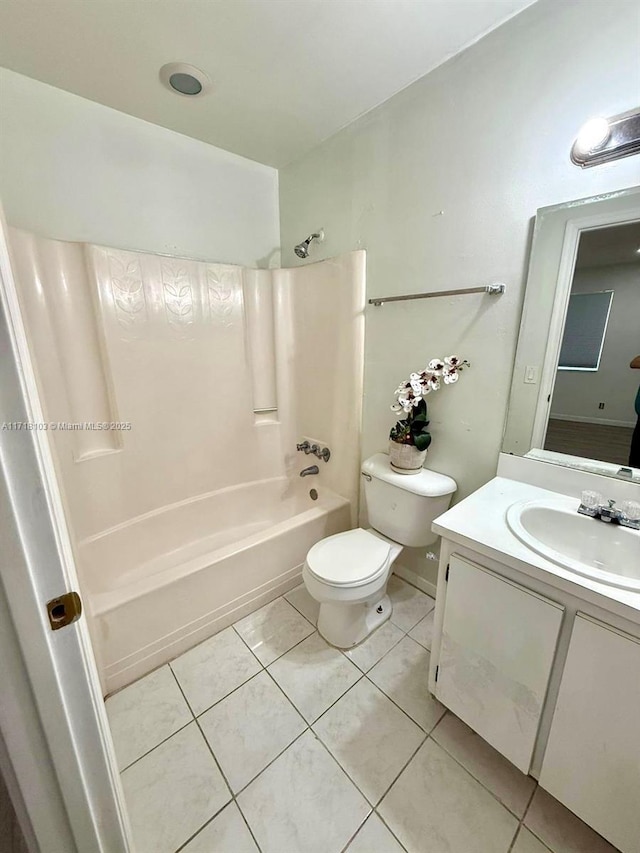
point(348, 573)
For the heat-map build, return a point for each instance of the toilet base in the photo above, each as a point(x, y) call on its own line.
point(346, 625)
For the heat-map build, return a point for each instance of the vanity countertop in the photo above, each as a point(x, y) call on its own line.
point(479, 523)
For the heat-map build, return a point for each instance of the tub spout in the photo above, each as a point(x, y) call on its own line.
point(312, 469)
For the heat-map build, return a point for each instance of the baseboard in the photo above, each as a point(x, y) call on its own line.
point(415, 580)
point(591, 420)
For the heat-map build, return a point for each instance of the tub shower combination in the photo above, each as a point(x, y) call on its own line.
point(196, 515)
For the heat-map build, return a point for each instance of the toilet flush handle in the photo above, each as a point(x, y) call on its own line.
point(366, 476)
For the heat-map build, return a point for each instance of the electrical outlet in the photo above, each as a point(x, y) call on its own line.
point(531, 374)
point(601, 405)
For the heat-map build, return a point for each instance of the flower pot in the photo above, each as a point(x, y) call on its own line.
point(406, 458)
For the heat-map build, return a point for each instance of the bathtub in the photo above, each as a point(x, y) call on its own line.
point(163, 582)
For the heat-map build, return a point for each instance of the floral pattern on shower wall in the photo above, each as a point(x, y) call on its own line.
point(160, 343)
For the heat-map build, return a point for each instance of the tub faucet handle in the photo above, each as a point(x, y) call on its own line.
point(304, 446)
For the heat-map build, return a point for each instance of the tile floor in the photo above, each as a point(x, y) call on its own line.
point(264, 738)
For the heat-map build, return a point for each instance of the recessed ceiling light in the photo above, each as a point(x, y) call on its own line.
point(184, 79)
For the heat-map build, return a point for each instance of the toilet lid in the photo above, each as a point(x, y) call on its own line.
point(349, 558)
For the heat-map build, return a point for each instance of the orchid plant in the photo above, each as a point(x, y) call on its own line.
point(410, 395)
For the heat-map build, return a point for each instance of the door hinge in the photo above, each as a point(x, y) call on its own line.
point(64, 610)
point(446, 574)
point(437, 671)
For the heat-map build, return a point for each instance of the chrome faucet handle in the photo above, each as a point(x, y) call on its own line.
point(611, 503)
point(304, 446)
point(590, 503)
point(630, 516)
point(314, 449)
point(325, 454)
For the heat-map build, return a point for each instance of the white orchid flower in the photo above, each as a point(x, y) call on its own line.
point(433, 383)
point(436, 364)
point(450, 376)
point(452, 361)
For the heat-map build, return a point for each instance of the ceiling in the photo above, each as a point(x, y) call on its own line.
point(286, 73)
point(602, 247)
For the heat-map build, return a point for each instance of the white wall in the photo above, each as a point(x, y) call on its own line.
point(76, 170)
point(440, 185)
point(576, 394)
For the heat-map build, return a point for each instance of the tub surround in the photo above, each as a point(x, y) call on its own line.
point(545, 669)
point(207, 375)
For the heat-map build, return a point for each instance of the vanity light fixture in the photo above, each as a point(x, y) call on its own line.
point(184, 79)
point(600, 139)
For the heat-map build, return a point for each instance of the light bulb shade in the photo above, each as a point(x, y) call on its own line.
point(603, 139)
point(592, 135)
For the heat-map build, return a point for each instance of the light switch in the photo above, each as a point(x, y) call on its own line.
point(531, 374)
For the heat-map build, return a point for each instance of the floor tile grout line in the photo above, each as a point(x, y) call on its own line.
point(226, 781)
point(365, 671)
point(385, 824)
point(337, 760)
point(233, 795)
point(280, 598)
point(521, 824)
point(195, 720)
point(375, 805)
point(289, 700)
point(274, 759)
point(164, 740)
point(315, 631)
point(346, 773)
point(402, 769)
point(479, 781)
point(218, 701)
point(406, 713)
point(204, 825)
point(315, 624)
point(352, 837)
point(329, 707)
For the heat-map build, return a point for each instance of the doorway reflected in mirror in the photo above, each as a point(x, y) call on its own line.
point(595, 406)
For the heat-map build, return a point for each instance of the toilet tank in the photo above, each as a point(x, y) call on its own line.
point(403, 506)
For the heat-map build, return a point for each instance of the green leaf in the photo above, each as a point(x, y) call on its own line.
point(422, 441)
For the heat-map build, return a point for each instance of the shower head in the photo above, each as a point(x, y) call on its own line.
point(302, 249)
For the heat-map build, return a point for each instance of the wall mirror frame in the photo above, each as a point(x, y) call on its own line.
point(554, 251)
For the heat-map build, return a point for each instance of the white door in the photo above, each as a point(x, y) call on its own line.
point(592, 760)
point(498, 645)
point(36, 565)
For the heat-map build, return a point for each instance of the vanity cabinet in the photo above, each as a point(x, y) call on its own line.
point(592, 759)
point(497, 648)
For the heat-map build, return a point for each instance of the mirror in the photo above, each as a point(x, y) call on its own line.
point(575, 395)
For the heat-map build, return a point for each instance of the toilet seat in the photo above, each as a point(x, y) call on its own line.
point(348, 559)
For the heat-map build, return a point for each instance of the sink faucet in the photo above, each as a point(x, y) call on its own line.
point(592, 505)
point(306, 472)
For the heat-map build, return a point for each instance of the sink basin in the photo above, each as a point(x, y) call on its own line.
point(595, 549)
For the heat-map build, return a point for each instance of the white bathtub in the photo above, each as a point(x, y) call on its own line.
point(162, 583)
